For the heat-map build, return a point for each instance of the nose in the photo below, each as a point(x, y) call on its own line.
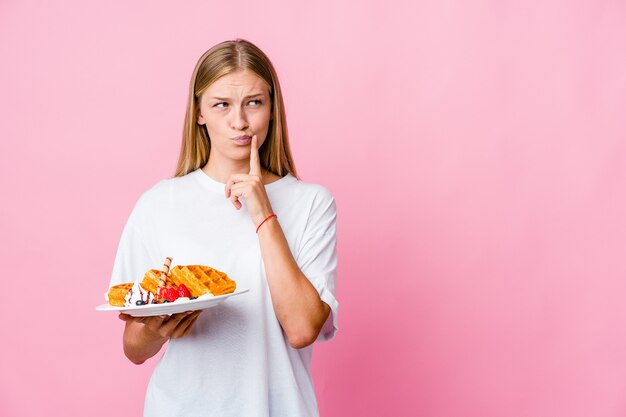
point(239, 120)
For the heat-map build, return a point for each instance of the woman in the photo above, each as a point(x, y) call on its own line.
point(235, 204)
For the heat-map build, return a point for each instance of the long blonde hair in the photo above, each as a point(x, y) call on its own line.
point(225, 58)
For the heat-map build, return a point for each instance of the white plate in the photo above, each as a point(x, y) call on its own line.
point(171, 308)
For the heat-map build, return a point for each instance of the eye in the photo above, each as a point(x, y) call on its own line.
point(221, 105)
point(255, 102)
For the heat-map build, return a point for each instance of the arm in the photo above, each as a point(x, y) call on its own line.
point(144, 336)
point(297, 304)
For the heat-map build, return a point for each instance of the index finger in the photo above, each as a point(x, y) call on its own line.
point(255, 164)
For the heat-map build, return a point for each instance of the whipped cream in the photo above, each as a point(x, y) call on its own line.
point(137, 293)
point(207, 295)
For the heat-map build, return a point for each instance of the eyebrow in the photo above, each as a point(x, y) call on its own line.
point(246, 97)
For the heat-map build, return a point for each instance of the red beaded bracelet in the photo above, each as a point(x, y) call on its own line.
point(266, 219)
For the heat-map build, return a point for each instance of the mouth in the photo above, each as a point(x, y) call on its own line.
point(242, 140)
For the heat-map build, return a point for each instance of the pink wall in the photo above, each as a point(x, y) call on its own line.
point(477, 151)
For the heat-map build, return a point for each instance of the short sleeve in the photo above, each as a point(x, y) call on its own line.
point(133, 258)
point(317, 256)
point(135, 252)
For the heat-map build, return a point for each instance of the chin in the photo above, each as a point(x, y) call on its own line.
point(242, 153)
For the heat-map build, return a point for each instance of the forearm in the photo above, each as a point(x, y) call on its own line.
point(141, 343)
point(296, 302)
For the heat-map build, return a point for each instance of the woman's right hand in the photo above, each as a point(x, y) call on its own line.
point(144, 336)
point(168, 327)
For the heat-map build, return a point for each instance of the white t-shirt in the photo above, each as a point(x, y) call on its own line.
point(236, 361)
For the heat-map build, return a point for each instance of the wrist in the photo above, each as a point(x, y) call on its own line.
point(270, 218)
point(261, 216)
point(151, 336)
point(141, 343)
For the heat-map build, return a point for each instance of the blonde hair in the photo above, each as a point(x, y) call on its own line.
point(222, 59)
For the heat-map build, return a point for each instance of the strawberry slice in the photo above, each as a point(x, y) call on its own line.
point(183, 291)
point(168, 294)
point(172, 294)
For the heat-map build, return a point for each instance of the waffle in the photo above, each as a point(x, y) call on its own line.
point(151, 280)
point(218, 282)
point(117, 293)
point(200, 279)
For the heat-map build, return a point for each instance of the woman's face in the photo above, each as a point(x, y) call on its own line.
point(233, 109)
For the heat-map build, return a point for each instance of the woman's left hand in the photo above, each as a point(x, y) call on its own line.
point(251, 188)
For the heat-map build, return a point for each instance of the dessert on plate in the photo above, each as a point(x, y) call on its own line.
point(181, 283)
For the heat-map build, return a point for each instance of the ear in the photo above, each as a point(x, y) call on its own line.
point(200, 119)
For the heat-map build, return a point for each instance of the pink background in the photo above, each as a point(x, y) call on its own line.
point(477, 152)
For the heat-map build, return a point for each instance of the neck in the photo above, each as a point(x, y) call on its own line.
point(224, 169)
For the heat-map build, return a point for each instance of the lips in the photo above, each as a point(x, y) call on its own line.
point(242, 140)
